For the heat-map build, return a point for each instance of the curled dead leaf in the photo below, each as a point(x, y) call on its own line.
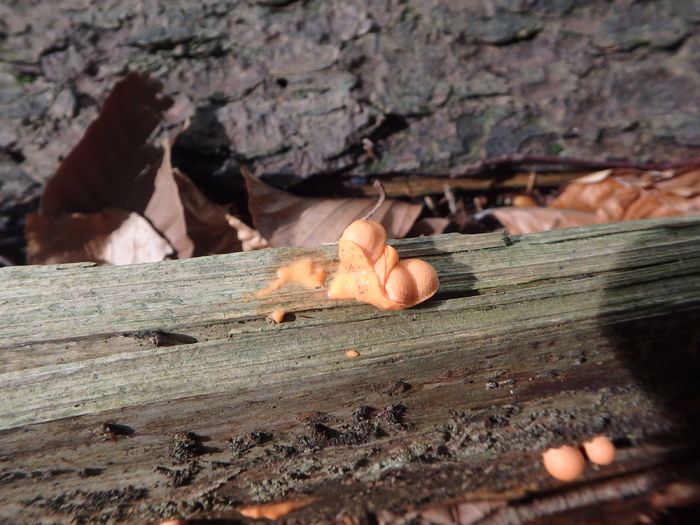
point(115, 167)
point(287, 220)
point(111, 236)
point(525, 220)
point(606, 198)
point(206, 224)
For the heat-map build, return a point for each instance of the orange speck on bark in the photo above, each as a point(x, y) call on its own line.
point(276, 315)
point(524, 201)
point(352, 353)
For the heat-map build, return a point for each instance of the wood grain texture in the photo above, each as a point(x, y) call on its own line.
point(532, 329)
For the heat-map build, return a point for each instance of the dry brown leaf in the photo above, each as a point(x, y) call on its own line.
point(287, 220)
point(112, 165)
point(115, 167)
point(166, 210)
point(526, 220)
point(622, 196)
point(111, 236)
point(587, 196)
point(206, 223)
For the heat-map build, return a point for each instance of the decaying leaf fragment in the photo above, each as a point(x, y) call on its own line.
point(287, 220)
point(609, 196)
point(112, 236)
point(113, 164)
point(116, 198)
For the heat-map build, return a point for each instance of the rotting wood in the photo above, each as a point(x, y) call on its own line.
point(525, 333)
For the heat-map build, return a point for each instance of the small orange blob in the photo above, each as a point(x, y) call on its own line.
point(276, 315)
point(174, 522)
point(303, 271)
point(565, 463)
point(370, 271)
point(600, 450)
point(352, 353)
point(273, 511)
point(524, 201)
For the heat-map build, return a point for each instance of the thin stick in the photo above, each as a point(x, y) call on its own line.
point(380, 200)
point(520, 160)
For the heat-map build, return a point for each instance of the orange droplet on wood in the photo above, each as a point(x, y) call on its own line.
point(524, 201)
point(276, 315)
point(303, 271)
point(600, 450)
point(565, 463)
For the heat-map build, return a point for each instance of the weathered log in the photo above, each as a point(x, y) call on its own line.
point(139, 392)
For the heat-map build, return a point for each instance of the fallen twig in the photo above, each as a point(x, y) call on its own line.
point(522, 160)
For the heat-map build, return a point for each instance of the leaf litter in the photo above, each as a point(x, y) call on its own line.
point(117, 199)
point(609, 196)
point(285, 219)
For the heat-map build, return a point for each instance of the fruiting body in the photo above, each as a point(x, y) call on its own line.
point(370, 271)
point(524, 201)
point(600, 450)
point(368, 235)
point(424, 276)
point(565, 463)
point(400, 286)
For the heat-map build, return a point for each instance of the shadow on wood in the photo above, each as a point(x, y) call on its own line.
point(532, 341)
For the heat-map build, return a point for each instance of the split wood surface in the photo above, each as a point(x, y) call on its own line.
point(531, 341)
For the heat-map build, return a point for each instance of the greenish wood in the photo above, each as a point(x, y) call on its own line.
point(490, 285)
point(536, 340)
